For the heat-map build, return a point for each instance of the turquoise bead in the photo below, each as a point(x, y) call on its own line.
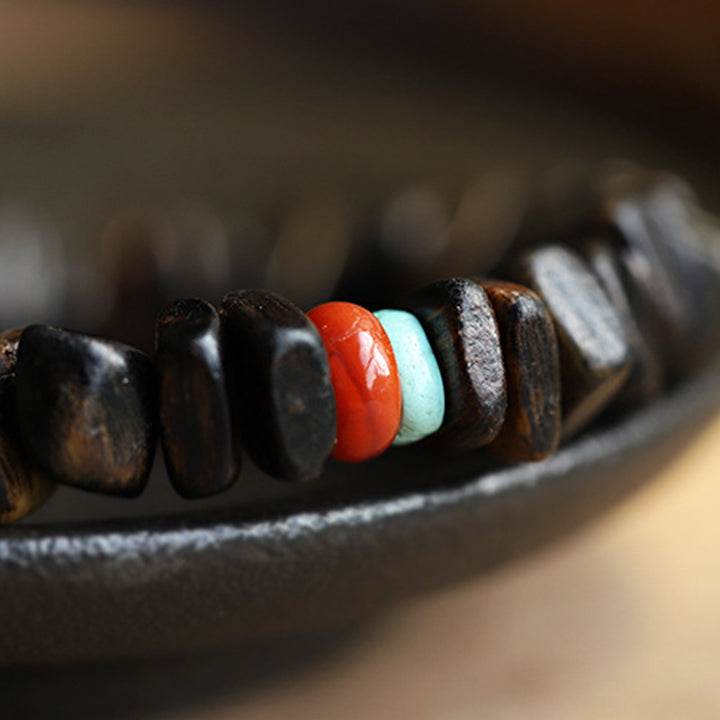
point(423, 395)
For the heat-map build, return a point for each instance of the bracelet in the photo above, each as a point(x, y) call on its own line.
point(601, 310)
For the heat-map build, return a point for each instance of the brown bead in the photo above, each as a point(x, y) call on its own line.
point(645, 379)
point(532, 370)
point(653, 222)
point(279, 376)
point(195, 421)
point(87, 409)
point(461, 327)
point(652, 283)
point(9, 341)
point(615, 209)
point(676, 225)
point(594, 351)
point(23, 486)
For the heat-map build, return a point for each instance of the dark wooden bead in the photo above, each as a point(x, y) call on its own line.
point(23, 486)
point(645, 379)
point(594, 352)
point(87, 409)
point(195, 419)
point(652, 221)
point(532, 370)
point(620, 212)
point(675, 225)
point(9, 341)
point(280, 384)
point(655, 288)
point(461, 327)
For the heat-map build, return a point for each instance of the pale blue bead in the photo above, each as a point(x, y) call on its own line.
point(423, 395)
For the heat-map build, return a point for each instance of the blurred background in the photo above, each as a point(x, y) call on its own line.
point(152, 150)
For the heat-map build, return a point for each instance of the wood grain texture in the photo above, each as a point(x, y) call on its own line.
point(463, 332)
point(87, 409)
point(532, 371)
point(195, 419)
point(23, 486)
point(594, 350)
point(280, 384)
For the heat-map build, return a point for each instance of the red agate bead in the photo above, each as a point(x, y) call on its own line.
point(365, 378)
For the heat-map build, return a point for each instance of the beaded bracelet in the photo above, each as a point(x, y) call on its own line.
point(597, 316)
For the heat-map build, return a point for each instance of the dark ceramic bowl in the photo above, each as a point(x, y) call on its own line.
point(252, 126)
point(215, 577)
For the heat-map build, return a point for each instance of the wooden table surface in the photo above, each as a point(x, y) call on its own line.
point(618, 622)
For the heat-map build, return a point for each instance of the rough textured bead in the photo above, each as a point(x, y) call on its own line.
point(365, 378)
point(532, 369)
point(423, 395)
point(195, 424)
point(280, 380)
point(87, 409)
point(461, 327)
point(594, 351)
point(23, 486)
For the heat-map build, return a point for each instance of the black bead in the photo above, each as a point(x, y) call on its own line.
point(652, 284)
point(676, 225)
point(280, 384)
point(532, 371)
point(195, 419)
point(87, 409)
point(461, 327)
point(594, 351)
point(23, 486)
point(646, 377)
point(655, 226)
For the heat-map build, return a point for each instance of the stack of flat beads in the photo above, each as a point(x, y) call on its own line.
point(599, 323)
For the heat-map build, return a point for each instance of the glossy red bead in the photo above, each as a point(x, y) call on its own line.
point(365, 379)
